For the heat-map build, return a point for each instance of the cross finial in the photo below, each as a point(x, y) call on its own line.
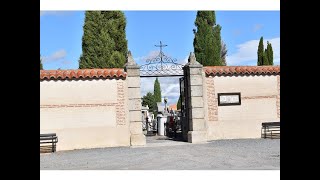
point(161, 46)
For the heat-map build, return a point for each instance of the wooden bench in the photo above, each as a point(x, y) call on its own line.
point(51, 139)
point(270, 130)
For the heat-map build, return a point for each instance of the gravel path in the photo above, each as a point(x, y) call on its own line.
point(170, 155)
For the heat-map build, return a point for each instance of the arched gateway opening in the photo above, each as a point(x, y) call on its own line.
point(164, 122)
point(188, 124)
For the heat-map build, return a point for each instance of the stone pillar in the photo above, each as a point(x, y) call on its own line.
point(197, 124)
point(278, 97)
point(137, 137)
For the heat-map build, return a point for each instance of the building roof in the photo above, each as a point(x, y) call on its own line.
point(241, 70)
point(82, 73)
point(173, 107)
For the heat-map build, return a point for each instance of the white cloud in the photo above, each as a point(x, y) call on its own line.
point(58, 55)
point(142, 59)
point(184, 61)
point(257, 27)
point(246, 53)
point(170, 87)
point(152, 54)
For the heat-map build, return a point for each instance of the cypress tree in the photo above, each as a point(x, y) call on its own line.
point(207, 40)
point(179, 103)
point(203, 40)
point(104, 43)
point(265, 58)
point(41, 67)
point(217, 46)
point(157, 91)
point(260, 52)
point(270, 53)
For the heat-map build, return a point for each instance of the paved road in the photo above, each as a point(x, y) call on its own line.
point(161, 154)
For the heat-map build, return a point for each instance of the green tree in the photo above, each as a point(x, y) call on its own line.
point(179, 103)
point(148, 99)
point(265, 58)
point(269, 53)
point(207, 40)
point(217, 46)
point(41, 67)
point(104, 43)
point(260, 52)
point(157, 91)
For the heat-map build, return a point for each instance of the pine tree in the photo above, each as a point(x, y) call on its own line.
point(104, 43)
point(260, 52)
point(157, 91)
point(41, 67)
point(207, 40)
point(270, 53)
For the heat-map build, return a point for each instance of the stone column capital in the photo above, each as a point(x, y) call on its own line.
point(131, 64)
point(192, 62)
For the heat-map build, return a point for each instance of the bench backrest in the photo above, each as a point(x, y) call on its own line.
point(271, 124)
point(48, 135)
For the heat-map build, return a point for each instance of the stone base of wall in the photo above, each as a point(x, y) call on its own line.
point(138, 140)
point(91, 137)
point(197, 136)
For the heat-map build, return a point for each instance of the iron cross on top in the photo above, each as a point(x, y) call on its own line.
point(161, 46)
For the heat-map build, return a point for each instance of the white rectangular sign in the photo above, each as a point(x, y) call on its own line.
point(226, 99)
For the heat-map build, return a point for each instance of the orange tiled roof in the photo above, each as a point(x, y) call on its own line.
point(173, 107)
point(82, 73)
point(235, 70)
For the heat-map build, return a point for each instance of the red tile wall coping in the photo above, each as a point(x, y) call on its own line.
point(241, 70)
point(82, 73)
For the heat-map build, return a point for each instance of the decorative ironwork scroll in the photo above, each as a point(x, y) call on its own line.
point(161, 65)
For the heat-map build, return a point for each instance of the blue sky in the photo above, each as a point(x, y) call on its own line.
point(61, 35)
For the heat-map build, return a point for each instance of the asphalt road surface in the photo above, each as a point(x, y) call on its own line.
point(163, 154)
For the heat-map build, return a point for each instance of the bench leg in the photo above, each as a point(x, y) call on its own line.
point(52, 150)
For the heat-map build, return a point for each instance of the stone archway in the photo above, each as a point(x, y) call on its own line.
point(194, 129)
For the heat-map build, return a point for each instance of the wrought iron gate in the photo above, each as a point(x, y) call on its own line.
point(165, 66)
point(161, 66)
point(184, 105)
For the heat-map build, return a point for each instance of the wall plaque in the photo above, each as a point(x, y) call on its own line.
point(229, 99)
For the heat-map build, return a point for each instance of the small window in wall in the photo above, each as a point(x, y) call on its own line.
point(229, 99)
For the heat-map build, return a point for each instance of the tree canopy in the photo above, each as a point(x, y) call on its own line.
point(265, 56)
point(207, 40)
point(157, 91)
point(104, 43)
